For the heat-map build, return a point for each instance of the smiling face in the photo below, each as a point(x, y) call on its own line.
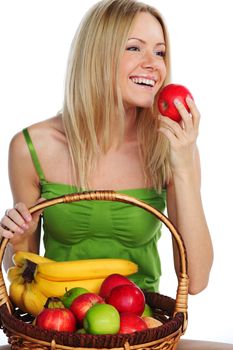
point(142, 66)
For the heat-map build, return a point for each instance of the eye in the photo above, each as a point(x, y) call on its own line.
point(133, 48)
point(160, 53)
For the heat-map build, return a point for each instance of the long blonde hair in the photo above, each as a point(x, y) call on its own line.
point(92, 102)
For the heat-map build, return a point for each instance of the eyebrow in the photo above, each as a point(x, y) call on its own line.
point(162, 43)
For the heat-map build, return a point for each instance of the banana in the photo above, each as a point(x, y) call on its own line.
point(33, 299)
point(16, 290)
point(85, 269)
point(27, 296)
point(58, 288)
point(20, 257)
point(14, 272)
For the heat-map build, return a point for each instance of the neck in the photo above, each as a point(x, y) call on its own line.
point(130, 124)
point(130, 131)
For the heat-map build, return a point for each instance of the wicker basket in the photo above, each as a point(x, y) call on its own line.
point(22, 334)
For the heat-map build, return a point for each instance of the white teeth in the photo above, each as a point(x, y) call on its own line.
point(148, 82)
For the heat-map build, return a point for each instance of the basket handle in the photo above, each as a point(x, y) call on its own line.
point(181, 303)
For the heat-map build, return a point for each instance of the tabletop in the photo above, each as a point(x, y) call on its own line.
point(185, 344)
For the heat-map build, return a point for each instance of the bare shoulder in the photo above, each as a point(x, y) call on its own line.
point(49, 141)
point(41, 134)
point(52, 127)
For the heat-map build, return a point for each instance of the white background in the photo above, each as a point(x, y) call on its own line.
point(35, 37)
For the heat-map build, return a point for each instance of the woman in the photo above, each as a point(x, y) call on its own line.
point(109, 136)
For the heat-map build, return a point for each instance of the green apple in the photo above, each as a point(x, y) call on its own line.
point(102, 319)
point(147, 311)
point(81, 331)
point(72, 294)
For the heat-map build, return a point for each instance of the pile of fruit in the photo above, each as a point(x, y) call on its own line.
point(88, 296)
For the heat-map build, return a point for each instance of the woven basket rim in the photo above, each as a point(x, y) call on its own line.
point(179, 312)
point(16, 326)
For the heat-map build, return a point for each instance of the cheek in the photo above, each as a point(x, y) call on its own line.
point(127, 65)
point(163, 71)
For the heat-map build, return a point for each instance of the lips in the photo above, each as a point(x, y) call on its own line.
point(143, 81)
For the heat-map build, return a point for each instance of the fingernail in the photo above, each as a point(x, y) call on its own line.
point(177, 101)
point(189, 99)
point(25, 226)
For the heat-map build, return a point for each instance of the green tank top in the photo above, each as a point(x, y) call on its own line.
point(102, 229)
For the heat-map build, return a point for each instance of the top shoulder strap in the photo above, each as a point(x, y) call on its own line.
point(34, 156)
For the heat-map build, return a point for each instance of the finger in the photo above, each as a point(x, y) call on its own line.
point(5, 233)
point(194, 111)
point(23, 211)
point(16, 216)
point(8, 224)
point(172, 125)
point(185, 115)
point(168, 134)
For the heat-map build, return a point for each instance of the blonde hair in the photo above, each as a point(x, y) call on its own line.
point(92, 102)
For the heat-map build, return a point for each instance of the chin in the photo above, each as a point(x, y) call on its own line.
point(145, 104)
point(139, 103)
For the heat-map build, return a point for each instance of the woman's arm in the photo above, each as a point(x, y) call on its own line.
point(22, 229)
point(184, 201)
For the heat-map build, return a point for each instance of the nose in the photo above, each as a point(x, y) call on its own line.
point(149, 61)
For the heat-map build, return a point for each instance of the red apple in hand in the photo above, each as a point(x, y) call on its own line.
point(130, 323)
point(127, 298)
point(166, 100)
point(110, 282)
point(82, 304)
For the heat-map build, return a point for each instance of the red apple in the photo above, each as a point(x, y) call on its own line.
point(130, 323)
point(127, 298)
point(82, 304)
point(56, 317)
point(166, 100)
point(112, 281)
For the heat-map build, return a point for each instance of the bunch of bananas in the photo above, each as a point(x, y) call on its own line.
point(35, 278)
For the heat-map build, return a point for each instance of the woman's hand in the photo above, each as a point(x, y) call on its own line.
point(18, 221)
point(182, 136)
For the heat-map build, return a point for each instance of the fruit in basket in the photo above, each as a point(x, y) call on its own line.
point(147, 311)
point(112, 281)
point(83, 303)
point(127, 298)
point(85, 269)
point(81, 331)
point(16, 290)
point(58, 288)
point(57, 278)
point(33, 300)
point(71, 294)
point(26, 296)
point(130, 322)
point(56, 317)
point(14, 272)
point(166, 100)
point(151, 321)
point(102, 319)
point(20, 257)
